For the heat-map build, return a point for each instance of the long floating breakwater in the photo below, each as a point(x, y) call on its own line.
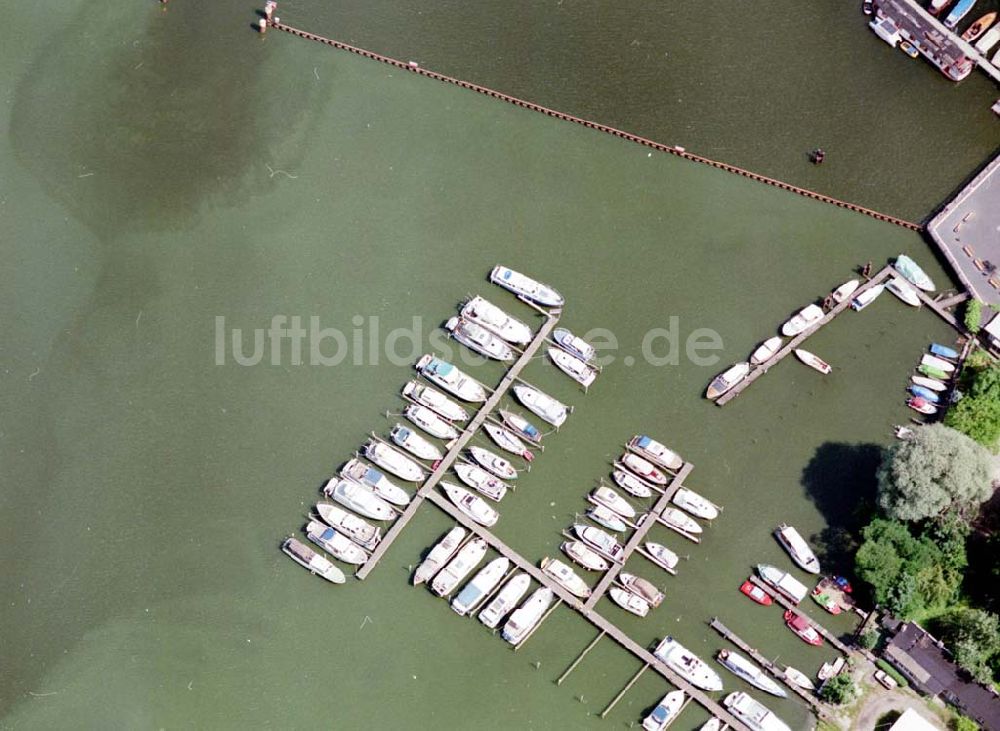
point(677, 150)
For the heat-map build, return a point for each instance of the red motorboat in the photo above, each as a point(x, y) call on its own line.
point(756, 593)
point(800, 626)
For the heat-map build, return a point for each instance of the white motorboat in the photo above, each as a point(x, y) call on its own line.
point(542, 405)
point(643, 468)
point(521, 425)
point(753, 713)
point(604, 543)
point(480, 480)
point(799, 678)
point(688, 665)
point(467, 558)
point(358, 530)
point(430, 422)
point(932, 383)
point(662, 556)
point(526, 287)
point(629, 601)
point(573, 367)
point(642, 588)
point(484, 313)
point(845, 290)
point(665, 712)
point(527, 615)
point(751, 673)
point(679, 520)
point(797, 548)
point(613, 501)
point(358, 471)
point(392, 461)
point(985, 44)
point(507, 440)
point(584, 556)
point(802, 320)
point(784, 582)
point(727, 380)
point(813, 361)
point(439, 555)
point(435, 401)
point(940, 363)
point(505, 600)
point(766, 350)
point(451, 379)
point(472, 505)
point(307, 558)
point(415, 444)
point(478, 339)
point(630, 483)
point(493, 463)
point(359, 498)
point(695, 504)
point(712, 724)
point(566, 577)
point(485, 581)
point(912, 272)
point(655, 452)
point(608, 518)
point(867, 297)
point(577, 346)
point(335, 543)
point(904, 291)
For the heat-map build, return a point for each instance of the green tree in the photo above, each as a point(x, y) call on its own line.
point(974, 638)
point(938, 472)
point(963, 723)
point(839, 689)
point(973, 315)
point(977, 415)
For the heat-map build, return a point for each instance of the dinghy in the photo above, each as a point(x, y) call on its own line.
point(488, 315)
point(529, 614)
point(797, 548)
point(979, 27)
point(507, 440)
point(655, 452)
point(925, 393)
point(357, 471)
point(608, 518)
point(565, 577)
point(932, 372)
point(573, 367)
point(359, 498)
point(472, 505)
point(665, 712)
point(480, 480)
point(415, 444)
point(867, 297)
point(932, 383)
point(845, 290)
point(958, 11)
point(922, 406)
point(467, 558)
point(521, 426)
point(799, 678)
point(943, 351)
point(485, 581)
point(662, 556)
point(435, 401)
point(451, 379)
point(643, 468)
point(679, 520)
point(813, 361)
point(695, 504)
point(493, 463)
point(628, 601)
point(439, 555)
point(584, 556)
point(755, 593)
point(642, 588)
point(939, 363)
point(478, 339)
point(542, 405)
point(430, 422)
point(576, 346)
point(335, 543)
point(613, 501)
point(505, 600)
point(802, 320)
point(307, 558)
point(604, 543)
point(526, 287)
point(727, 380)
point(358, 530)
point(766, 350)
point(904, 291)
point(630, 483)
point(392, 461)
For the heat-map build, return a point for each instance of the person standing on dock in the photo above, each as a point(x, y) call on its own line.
point(866, 270)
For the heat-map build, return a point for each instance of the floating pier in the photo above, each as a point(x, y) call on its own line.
point(795, 342)
point(640, 532)
point(455, 451)
point(770, 667)
point(783, 601)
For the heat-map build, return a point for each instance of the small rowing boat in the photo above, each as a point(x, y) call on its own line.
point(912, 272)
point(451, 379)
point(467, 558)
point(478, 339)
point(802, 320)
point(766, 350)
point(979, 27)
point(925, 393)
point(484, 313)
point(430, 422)
point(695, 504)
point(904, 291)
point(932, 383)
point(577, 346)
point(415, 444)
point(958, 11)
point(392, 461)
point(939, 363)
point(630, 483)
point(629, 601)
point(643, 468)
point(662, 556)
point(573, 367)
point(335, 543)
point(472, 505)
point(521, 426)
point(821, 596)
point(613, 501)
point(608, 518)
point(435, 401)
point(932, 372)
point(797, 548)
point(655, 452)
point(541, 405)
point(922, 406)
point(566, 577)
point(439, 555)
point(726, 380)
point(585, 556)
point(505, 600)
point(845, 290)
point(813, 361)
point(526, 287)
point(308, 559)
point(867, 297)
point(943, 351)
point(493, 463)
point(480, 480)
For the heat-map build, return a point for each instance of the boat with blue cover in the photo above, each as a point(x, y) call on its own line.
point(656, 452)
point(925, 393)
point(958, 11)
point(943, 351)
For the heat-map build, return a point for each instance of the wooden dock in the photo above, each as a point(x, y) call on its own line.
point(795, 342)
point(640, 532)
point(769, 666)
point(599, 621)
point(783, 601)
point(459, 444)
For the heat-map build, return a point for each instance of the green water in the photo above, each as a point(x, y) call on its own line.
point(146, 488)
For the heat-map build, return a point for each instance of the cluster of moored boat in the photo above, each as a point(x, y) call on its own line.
point(902, 285)
point(929, 386)
point(365, 487)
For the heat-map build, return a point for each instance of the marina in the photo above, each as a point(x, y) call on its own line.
point(784, 602)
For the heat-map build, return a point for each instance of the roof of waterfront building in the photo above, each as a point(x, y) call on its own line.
point(913, 721)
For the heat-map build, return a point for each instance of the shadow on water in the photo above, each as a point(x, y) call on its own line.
point(840, 480)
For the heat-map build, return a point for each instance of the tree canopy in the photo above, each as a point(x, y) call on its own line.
point(838, 690)
point(978, 413)
point(974, 638)
point(938, 472)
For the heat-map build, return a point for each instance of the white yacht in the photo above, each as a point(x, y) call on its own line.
point(480, 480)
point(485, 581)
point(526, 287)
point(359, 498)
point(608, 518)
point(392, 461)
point(358, 530)
point(451, 379)
point(565, 577)
point(521, 425)
point(477, 338)
point(336, 544)
point(688, 665)
point(459, 567)
point(584, 556)
point(766, 350)
point(472, 505)
point(802, 320)
point(527, 615)
point(753, 713)
point(904, 291)
point(784, 582)
point(610, 499)
point(415, 444)
point(642, 588)
point(482, 312)
point(750, 672)
point(307, 558)
point(358, 471)
point(507, 440)
point(727, 380)
point(435, 401)
point(655, 452)
point(643, 468)
point(577, 346)
point(430, 422)
point(604, 543)
point(663, 556)
point(630, 483)
point(505, 600)
point(797, 548)
point(437, 557)
point(573, 367)
point(542, 405)
point(695, 504)
point(867, 297)
point(845, 290)
point(666, 711)
point(628, 601)
point(493, 463)
point(679, 520)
